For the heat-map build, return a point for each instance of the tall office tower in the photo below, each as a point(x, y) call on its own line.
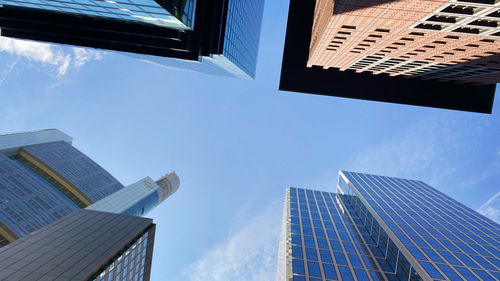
point(212, 36)
point(139, 198)
point(44, 178)
point(444, 39)
point(383, 228)
point(85, 245)
point(443, 53)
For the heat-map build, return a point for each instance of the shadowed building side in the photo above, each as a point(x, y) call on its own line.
point(85, 245)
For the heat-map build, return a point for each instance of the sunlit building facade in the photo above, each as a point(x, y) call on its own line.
point(382, 228)
point(448, 40)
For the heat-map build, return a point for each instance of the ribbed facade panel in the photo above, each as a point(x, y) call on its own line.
point(77, 168)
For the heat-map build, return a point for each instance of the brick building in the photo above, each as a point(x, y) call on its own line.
point(446, 39)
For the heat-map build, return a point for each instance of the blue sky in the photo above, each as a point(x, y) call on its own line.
point(236, 144)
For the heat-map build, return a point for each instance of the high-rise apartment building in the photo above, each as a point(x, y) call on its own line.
point(85, 245)
point(383, 228)
point(44, 178)
point(442, 53)
point(455, 40)
point(212, 36)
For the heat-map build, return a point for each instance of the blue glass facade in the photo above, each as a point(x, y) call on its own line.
point(443, 237)
point(382, 228)
point(241, 37)
point(90, 178)
point(134, 200)
point(177, 14)
point(27, 201)
point(139, 198)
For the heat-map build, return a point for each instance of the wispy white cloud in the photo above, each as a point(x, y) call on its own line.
point(248, 254)
point(62, 58)
point(491, 208)
point(7, 71)
point(82, 56)
point(423, 149)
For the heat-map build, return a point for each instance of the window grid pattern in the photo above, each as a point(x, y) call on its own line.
point(480, 17)
point(449, 240)
point(129, 266)
point(325, 244)
point(136, 10)
point(394, 264)
point(80, 246)
point(77, 168)
point(242, 33)
point(28, 202)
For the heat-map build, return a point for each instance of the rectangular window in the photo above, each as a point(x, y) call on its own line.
point(345, 273)
point(314, 269)
point(340, 258)
point(298, 266)
point(433, 272)
point(311, 254)
point(330, 272)
point(297, 252)
point(325, 256)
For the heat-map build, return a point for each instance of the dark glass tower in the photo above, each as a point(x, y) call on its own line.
point(211, 36)
point(383, 228)
point(85, 245)
point(178, 14)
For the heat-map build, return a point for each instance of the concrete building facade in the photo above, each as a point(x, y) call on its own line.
point(451, 40)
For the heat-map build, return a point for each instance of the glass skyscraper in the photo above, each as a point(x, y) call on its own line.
point(219, 37)
point(178, 14)
point(241, 38)
point(383, 228)
point(44, 178)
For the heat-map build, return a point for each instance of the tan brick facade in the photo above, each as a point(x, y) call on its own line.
point(445, 39)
